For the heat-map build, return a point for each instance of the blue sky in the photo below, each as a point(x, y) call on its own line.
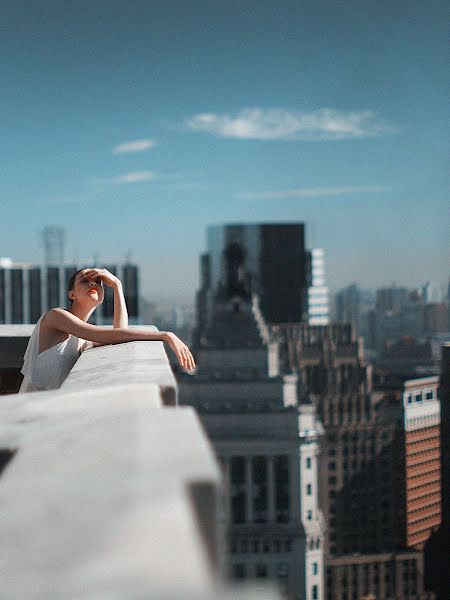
point(135, 125)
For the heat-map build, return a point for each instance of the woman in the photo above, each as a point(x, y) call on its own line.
point(62, 334)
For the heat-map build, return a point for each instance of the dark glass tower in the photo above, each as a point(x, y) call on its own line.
point(266, 259)
point(131, 289)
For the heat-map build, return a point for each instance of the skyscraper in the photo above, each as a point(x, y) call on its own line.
point(379, 464)
point(318, 304)
point(27, 291)
point(264, 259)
point(266, 441)
point(348, 306)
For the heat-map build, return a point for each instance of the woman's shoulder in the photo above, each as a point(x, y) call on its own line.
point(56, 309)
point(51, 313)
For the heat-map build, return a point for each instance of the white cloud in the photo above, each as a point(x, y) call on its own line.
point(314, 192)
point(134, 146)
point(136, 177)
point(280, 124)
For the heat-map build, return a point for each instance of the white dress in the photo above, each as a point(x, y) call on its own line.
point(47, 370)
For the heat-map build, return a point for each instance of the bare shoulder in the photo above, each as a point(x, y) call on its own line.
point(62, 320)
point(53, 316)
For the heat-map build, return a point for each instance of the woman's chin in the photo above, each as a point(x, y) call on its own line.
point(94, 300)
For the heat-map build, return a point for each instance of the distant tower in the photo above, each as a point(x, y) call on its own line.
point(318, 307)
point(54, 240)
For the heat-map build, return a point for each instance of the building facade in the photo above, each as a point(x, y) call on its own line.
point(388, 576)
point(437, 548)
point(267, 442)
point(422, 451)
point(318, 296)
point(264, 259)
point(27, 291)
point(348, 307)
point(379, 468)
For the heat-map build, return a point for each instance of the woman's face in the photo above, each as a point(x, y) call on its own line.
point(88, 289)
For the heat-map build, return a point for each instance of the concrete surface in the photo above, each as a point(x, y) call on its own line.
point(110, 495)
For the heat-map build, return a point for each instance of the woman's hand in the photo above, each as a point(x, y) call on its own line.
point(104, 276)
point(182, 352)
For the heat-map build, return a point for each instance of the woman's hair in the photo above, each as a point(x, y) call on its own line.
point(71, 283)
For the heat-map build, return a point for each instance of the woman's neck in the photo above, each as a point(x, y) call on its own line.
point(82, 312)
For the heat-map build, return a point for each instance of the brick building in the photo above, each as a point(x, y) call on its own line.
point(380, 457)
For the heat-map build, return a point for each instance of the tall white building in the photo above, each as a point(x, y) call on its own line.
point(28, 290)
point(318, 296)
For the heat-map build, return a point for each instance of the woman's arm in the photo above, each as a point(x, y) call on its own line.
point(120, 307)
point(62, 320)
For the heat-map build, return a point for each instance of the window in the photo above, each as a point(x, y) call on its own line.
point(282, 570)
point(261, 571)
point(429, 395)
point(308, 462)
point(239, 571)
point(315, 568)
point(309, 515)
point(259, 480)
point(418, 397)
point(309, 489)
point(315, 592)
point(281, 474)
point(238, 489)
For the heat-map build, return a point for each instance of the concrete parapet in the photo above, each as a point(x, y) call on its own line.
point(107, 493)
point(133, 364)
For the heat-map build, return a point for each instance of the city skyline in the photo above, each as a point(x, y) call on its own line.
point(135, 128)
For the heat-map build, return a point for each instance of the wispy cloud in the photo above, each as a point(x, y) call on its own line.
point(313, 192)
point(281, 124)
point(135, 177)
point(99, 183)
point(134, 146)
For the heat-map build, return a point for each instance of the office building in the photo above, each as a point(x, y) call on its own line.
point(414, 407)
point(348, 307)
point(435, 319)
point(379, 463)
point(437, 548)
point(27, 291)
point(318, 301)
point(391, 299)
point(267, 442)
point(387, 576)
point(264, 259)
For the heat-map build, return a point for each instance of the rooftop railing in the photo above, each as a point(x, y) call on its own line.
point(109, 490)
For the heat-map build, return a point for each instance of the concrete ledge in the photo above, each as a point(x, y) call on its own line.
point(99, 497)
point(105, 493)
point(130, 364)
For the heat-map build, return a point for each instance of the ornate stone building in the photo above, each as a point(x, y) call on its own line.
point(266, 440)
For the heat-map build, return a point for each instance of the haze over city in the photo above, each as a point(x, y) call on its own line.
point(135, 126)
